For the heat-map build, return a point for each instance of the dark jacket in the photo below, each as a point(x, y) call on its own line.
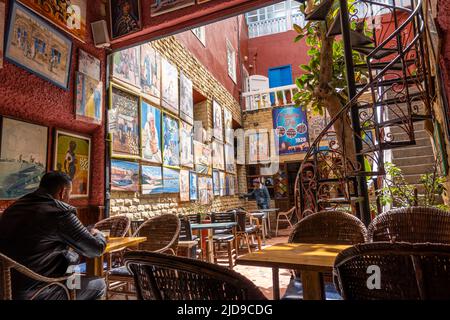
point(261, 196)
point(37, 231)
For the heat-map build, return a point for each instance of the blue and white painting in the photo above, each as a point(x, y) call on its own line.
point(152, 182)
point(171, 141)
point(171, 179)
point(216, 182)
point(193, 188)
point(124, 176)
point(151, 133)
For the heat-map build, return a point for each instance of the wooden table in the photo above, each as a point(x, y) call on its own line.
point(267, 217)
point(310, 259)
point(94, 267)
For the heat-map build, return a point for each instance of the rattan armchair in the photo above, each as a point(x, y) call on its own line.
point(118, 226)
point(163, 277)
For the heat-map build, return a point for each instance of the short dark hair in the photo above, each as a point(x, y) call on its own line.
point(53, 181)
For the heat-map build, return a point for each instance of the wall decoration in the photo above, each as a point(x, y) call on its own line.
point(186, 99)
point(184, 186)
point(124, 176)
point(222, 180)
point(218, 156)
point(88, 99)
point(171, 141)
point(163, 6)
point(151, 133)
point(2, 30)
point(152, 182)
point(125, 17)
point(69, 16)
point(231, 185)
point(124, 123)
point(230, 164)
point(228, 122)
point(291, 127)
point(170, 99)
point(217, 121)
point(23, 157)
point(126, 66)
point(34, 45)
point(205, 190)
point(216, 182)
point(89, 65)
point(73, 157)
point(151, 73)
point(202, 158)
point(193, 187)
point(186, 143)
point(258, 147)
point(171, 179)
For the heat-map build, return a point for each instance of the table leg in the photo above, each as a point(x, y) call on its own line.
point(210, 246)
point(94, 267)
point(313, 287)
point(269, 228)
point(276, 283)
point(236, 242)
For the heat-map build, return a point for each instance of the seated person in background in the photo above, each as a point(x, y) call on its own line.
point(37, 231)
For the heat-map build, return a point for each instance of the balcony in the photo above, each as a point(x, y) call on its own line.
point(275, 25)
point(269, 98)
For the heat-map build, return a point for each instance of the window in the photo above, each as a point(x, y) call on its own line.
point(231, 60)
point(200, 33)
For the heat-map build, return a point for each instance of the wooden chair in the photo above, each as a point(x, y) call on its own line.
point(187, 245)
point(285, 217)
point(162, 277)
point(248, 226)
point(224, 237)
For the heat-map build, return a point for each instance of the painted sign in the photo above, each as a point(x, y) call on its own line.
point(291, 127)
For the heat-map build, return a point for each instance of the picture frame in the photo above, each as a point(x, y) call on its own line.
point(150, 67)
point(125, 66)
point(193, 186)
point(89, 65)
point(186, 145)
point(72, 155)
point(171, 180)
point(184, 186)
point(150, 128)
point(33, 56)
point(202, 158)
point(88, 99)
point(160, 7)
point(222, 179)
point(230, 163)
point(217, 121)
point(124, 17)
point(216, 182)
point(259, 147)
point(124, 175)
point(228, 123)
point(170, 87)
point(171, 141)
point(218, 155)
point(152, 180)
point(186, 99)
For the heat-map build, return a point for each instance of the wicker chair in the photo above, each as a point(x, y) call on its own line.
point(118, 226)
point(162, 277)
point(415, 225)
point(407, 271)
point(285, 217)
point(7, 265)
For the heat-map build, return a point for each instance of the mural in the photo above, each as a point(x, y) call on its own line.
point(171, 141)
point(151, 133)
point(152, 182)
point(170, 97)
point(88, 99)
point(124, 176)
point(151, 73)
point(163, 6)
point(186, 143)
point(171, 179)
point(126, 66)
point(186, 99)
point(125, 17)
point(291, 127)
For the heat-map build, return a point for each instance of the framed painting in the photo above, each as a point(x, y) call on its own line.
point(186, 99)
point(216, 182)
point(217, 121)
point(186, 143)
point(171, 180)
point(124, 176)
point(222, 181)
point(163, 6)
point(228, 122)
point(258, 147)
point(230, 164)
point(23, 157)
point(152, 182)
point(205, 190)
point(36, 46)
point(193, 187)
point(291, 125)
point(2, 29)
point(184, 186)
point(126, 66)
point(171, 141)
point(170, 99)
point(89, 65)
point(151, 73)
point(218, 155)
point(124, 124)
point(202, 158)
point(231, 183)
point(72, 155)
point(151, 133)
point(125, 17)
point(88, 99)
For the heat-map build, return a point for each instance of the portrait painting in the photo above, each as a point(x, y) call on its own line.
point(222, 181)
point(217, 121)
point(202, 158)
point(186, 143)
point(152, 181)
point(124, 176)
point(216, 182)
point(2, 29)
point(171, 180)
point(171, 141)
point(125, 17)
point(151, 133)
point(228, 122)
point(230, 164)
point(124, 124)
point(170, 97)
point(218, 155)
point(89, 65)
point(193, 187)
point(151, 73)
point(186, 99)
point(73, 156)
point(36, 46)
point(23, 157)
point(163, 6)
point(88, 99)
point(184, 186)
point(126, 66)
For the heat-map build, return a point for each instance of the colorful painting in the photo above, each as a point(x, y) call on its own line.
point(125, 17)
point(184, 186)
point(202, 158)
point(2, 30)
point(171, 141)
point(170, 97)
point(34, 45)
point(230, 164)
point(151, 133)
point(186, 143)
point(193, 190)
point(163, 6)
point(23, 157)
point(89, 65)
point(228, 121)
point(186, 99)
point(205, 190)
point(124, 123)
point(258, 147)
point(124, 176)
point(217, 121)
point(218, 156)
point(69, 16)
point(291, 127)
point(151, 73)
point(126, 66)
point(171, 180)
point(73, 156)
point(152, 182)
point(88, 99)
point(216, 182)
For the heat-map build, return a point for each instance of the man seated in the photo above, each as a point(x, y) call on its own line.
point(38, 231)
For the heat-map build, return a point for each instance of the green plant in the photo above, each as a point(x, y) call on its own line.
point(202, 209)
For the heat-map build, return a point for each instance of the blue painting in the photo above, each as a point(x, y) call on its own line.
point(291, 127)
point(152, 182)
point(216, 182)
point(171, 141)
point(151, 133)
point(171, 179)
point(193, 191)
point(124, 176)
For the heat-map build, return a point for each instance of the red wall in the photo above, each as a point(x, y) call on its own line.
point(443, 23)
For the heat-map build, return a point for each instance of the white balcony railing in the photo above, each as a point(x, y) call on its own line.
point(276, 25)
point(269, 98)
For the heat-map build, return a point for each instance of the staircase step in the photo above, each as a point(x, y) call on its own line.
point(390, 82)
point(412, 178)
point(417, 169)
point(320, 12)
point(399, 121)
point(417, 160)
point(380, 54)
point(402, 135)
point(419, 126)
point(359, 39)
point(382, 65)
point(412, 152)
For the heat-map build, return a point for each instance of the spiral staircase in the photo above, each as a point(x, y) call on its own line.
point(383, 110)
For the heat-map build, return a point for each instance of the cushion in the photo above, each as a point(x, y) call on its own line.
point(223, 237)
point(250, 229)
point(121, 271)
point(294, 291)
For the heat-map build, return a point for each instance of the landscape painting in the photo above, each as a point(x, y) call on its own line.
point(217, 121)
point(88, 99)
point(152, 182)
point(171, 179)
point(186, 143)
point(151, 133)
point(151, 73)
point(184, 186)
point(186, 99)
point(126, 66)
point(163, 6)
point(170, 99)
point(125, 17)
point(193, 191)
point(124, 176)
point(171, 141)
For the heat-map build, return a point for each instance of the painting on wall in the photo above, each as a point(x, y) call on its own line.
point(205, 190)
point(230, 164)
point(89, 65)
point(163, 6)
point(152, 182)
point(217, 121)
point(170, 99)
point(126, 66)
point(231, 185)
point(125, 17)
point(88, 99)
point(202, 158)
point(291, 127)
point(73, 156)
point(186, 99)
point(216, 182)
point(258, 147)
point(151, 73)
point(228, 122)
point(36, 46)
point(193, 188)
point(222, 181)
point(171, 141)
point(23, 157)
point(186, 143)
point(184, 186)
point(124, 124)
point(218, 155)
point(124, 176)
point(171, 178)
point(151, 133)
point(2, 29)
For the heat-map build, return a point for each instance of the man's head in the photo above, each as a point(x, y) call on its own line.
point(57, 184)
point(256, 183)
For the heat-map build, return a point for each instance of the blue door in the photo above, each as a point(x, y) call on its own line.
point(279, 77)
